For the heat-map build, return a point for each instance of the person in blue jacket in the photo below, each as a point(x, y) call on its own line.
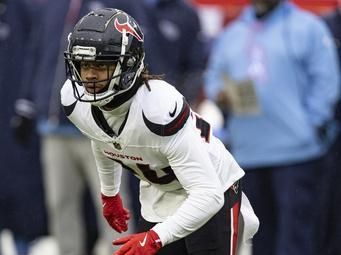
point(275, 69)
point(22, 209)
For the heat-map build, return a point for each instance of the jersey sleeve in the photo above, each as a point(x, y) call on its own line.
point(109, 171)
point(66, 94)
point(192, 166)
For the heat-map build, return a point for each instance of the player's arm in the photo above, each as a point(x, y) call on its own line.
point(205, 196)
point(183, 141)
point(109, 173)
point(194, 170)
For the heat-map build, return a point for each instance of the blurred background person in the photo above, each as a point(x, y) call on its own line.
point(68, 164)
point(331, 223)
point(175, 45)
point(275, 68)
point(22, 209)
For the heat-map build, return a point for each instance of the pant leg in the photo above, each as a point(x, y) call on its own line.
point(329, 219)
point(257, 186)
point(134, 188)
point(63, 186)
point(296, 190)
point(333, 230)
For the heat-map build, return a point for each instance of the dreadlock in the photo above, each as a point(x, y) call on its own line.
point(146, 77)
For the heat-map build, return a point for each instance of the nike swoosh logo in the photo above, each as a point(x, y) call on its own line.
point(143, 243)
point(104, 205)
point(174, 111)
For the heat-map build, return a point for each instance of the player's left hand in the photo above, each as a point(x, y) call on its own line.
point(145, 243)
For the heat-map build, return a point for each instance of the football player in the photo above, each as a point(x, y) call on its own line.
point(190, 190)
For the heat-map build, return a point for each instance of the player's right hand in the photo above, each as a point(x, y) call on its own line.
point(146, 243)
point(116, 215)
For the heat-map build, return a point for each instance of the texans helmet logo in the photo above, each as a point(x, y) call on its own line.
point(128, 28)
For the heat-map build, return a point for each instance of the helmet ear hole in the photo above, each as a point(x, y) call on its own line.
point(131, 61)
point(127, 79)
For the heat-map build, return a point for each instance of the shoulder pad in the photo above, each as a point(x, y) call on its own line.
point(68, 100)
point(164, 110)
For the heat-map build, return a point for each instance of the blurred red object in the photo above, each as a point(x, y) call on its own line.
point(233, 7)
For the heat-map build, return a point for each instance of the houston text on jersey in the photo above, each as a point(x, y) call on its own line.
point(118, 155)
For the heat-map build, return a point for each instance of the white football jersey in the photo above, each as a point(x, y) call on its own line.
point(184, 170)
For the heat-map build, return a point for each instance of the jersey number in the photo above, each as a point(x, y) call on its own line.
point(150, 174)
point(204, 128)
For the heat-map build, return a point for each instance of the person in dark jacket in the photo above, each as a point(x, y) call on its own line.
point(175, 45)
point(21, 191)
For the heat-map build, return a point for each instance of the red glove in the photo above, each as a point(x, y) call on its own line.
point(114, 212)
point(145, 243)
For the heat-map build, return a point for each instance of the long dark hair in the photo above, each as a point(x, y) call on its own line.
point(146, 77)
